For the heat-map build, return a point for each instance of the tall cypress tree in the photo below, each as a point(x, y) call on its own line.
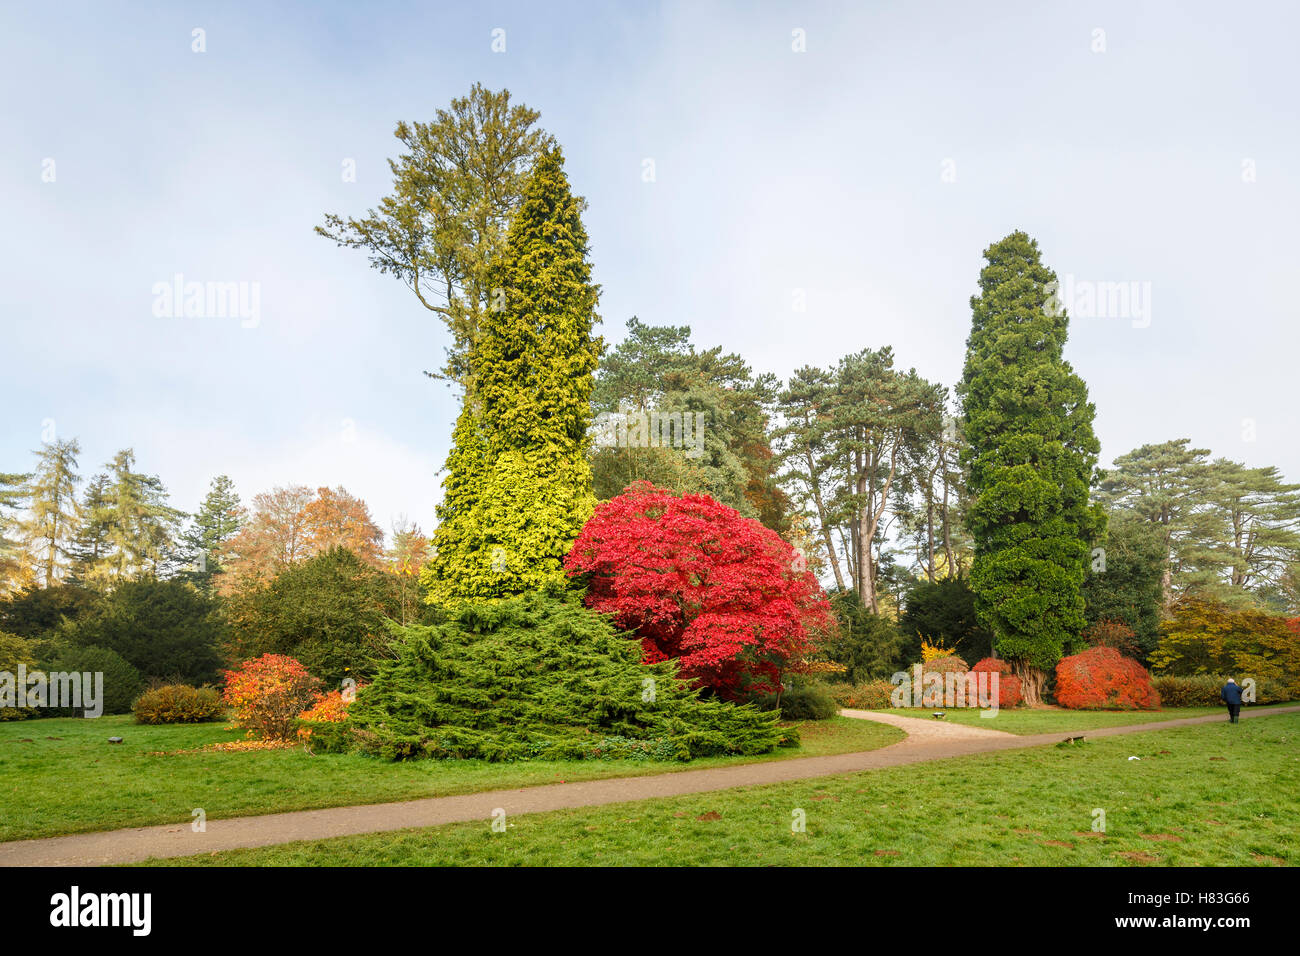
point(518, 485)
point(1030, 460)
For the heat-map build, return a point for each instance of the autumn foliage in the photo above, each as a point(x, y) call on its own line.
point(949, 663)
point(1112, 632)
point(1204, 637)
point(267, 695)
point(331, 708)
point(1101, 678)
point(696, 581)
point(289, 525)
point(1009, 693)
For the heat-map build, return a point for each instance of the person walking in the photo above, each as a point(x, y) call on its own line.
point(1231, 695)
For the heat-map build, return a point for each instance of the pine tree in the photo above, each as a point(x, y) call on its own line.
point(13, 493)
point(140, 524)
point(518, 485)
point(1030, 459)
point(1167, 486)
point(1259, 515)
point(218, 519)
point(90, 546)
point(53, 514)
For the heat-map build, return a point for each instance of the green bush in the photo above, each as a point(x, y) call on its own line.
point(179, 704)
point(15, 651)
point(165, 629)
point(327, 612)
point(867, 645)
point(541, 676)
point(122, 682)
point(1205, 637)
point(810, 701)
point(943, 612)
point(1203, 690)
point(871, 695)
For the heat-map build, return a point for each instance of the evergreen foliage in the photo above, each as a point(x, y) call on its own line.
point(540, 676)
point(1030, 458)
point(165, 629)
point(518, 485)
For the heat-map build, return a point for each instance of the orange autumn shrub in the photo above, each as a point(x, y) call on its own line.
point(331, 708)
point(268, 694)
point(1101, 678)
point(321, 724)
point(948, 664)
point(1009, 692)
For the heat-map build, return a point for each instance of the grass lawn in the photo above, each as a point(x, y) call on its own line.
point(1022, 720)
point(1211, 795)
point(60, 775)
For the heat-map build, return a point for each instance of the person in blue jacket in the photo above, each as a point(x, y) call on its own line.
point(1231, 695)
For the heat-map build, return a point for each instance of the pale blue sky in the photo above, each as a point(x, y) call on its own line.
point(776, 171)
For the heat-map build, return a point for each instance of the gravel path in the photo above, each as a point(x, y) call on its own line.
point(926, 740)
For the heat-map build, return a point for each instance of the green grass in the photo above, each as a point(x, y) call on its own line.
point(1022, 720)
point(1210, 795)
point(60, 775)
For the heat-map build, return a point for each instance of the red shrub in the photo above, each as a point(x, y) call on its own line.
point(698, 582)
point(268, 694)
point(1009, 694)
point(1101, 678)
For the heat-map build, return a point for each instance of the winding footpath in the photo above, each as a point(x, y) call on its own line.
point(926, 740)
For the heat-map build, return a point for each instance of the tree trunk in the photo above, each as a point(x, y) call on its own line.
point(821, 519)
point(1033, 681)
point(947, 530)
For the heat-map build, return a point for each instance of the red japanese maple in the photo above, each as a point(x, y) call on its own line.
point(697, 581)
point(1101, 678)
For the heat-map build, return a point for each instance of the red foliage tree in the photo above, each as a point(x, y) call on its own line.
point(1101, 678)
point(1009, 693)
point(698, 582)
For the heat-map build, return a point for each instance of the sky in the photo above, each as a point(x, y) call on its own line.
point(826, 178)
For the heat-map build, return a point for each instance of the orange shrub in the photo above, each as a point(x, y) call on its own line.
point(320, 726)
point(268, 694)
point(1101, 678)
point(1009, 692)
point(948, 664)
